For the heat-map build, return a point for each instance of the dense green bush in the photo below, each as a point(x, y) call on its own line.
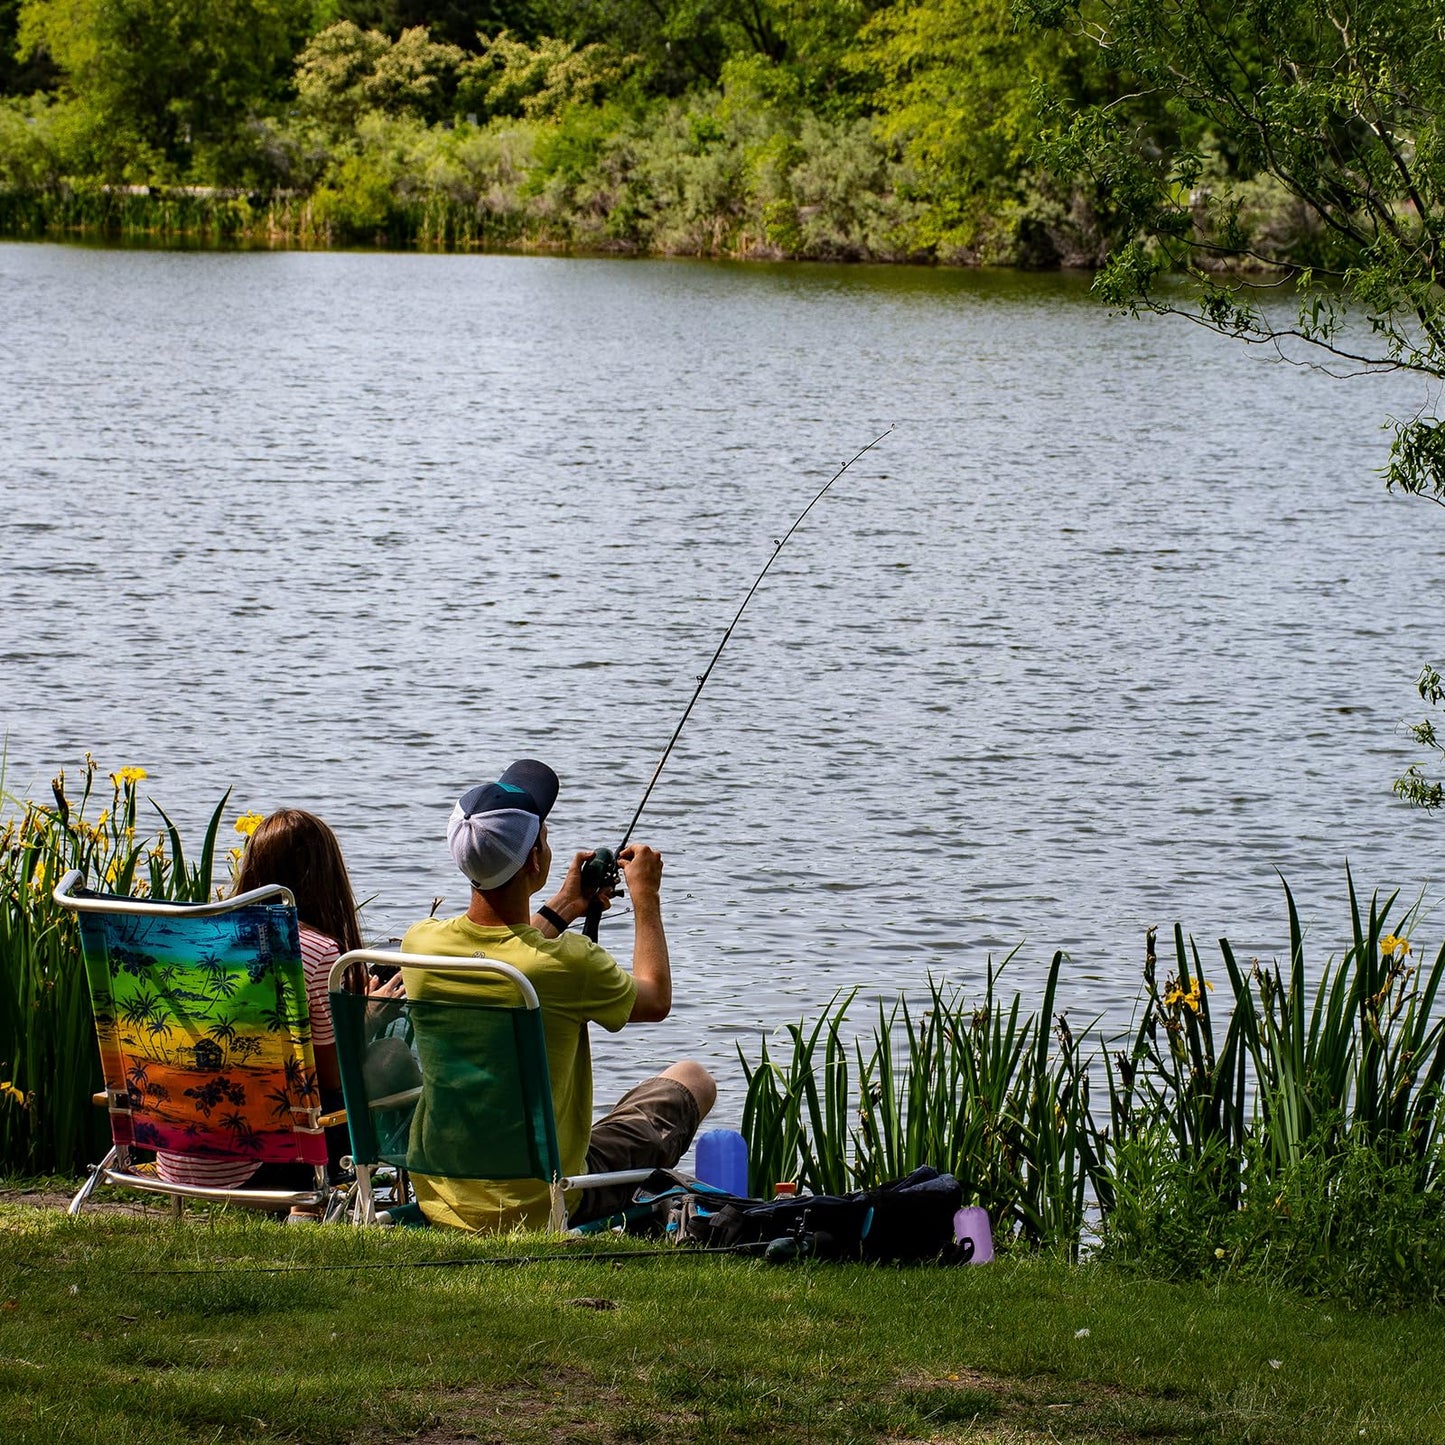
point(925, 129)
point(1341, 1220)
point(774, 150)
point(34, 149)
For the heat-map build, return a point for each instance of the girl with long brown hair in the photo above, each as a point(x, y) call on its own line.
point(297, 850)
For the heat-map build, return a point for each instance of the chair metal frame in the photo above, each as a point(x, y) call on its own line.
point(118, 1167)
point(363, 1210)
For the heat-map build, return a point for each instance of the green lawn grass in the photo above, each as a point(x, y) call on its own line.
point(139, 1331)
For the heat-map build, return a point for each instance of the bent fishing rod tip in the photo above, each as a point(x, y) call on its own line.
point(778, 544)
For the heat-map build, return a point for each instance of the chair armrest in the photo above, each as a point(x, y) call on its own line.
point(598, 1181)
point(395, 1101)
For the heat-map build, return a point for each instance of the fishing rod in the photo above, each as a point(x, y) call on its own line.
point(602, 871)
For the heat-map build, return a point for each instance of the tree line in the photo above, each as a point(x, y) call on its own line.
point(1151, 134)
point(1027, 131)
point(845, 128)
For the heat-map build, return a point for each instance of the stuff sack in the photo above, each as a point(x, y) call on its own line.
point(904, 1221)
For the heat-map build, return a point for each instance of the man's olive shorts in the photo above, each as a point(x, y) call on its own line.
point(650, 1128)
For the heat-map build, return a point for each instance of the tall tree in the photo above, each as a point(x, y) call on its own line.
point(457, 22)
point(687, 42)
point(162, 82)
point(345, 71)
point(1318, 159)
point(1338, 105)
point(956, 84)
point(17, 76)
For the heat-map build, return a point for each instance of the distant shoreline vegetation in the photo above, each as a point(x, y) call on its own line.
point(719, 173)
point(443, 223)
point(906, 133)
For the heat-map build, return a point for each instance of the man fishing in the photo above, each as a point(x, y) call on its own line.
point(498, 838)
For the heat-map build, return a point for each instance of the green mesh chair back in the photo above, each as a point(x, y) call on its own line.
point(205, 1040)
point(447, 1088)
point(452, 1087)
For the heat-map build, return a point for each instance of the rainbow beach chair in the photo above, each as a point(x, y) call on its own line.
point(205, 1041)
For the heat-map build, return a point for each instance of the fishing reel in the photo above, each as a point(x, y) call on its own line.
point(600, 871)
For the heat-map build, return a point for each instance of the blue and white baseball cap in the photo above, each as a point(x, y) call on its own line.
point(495, 825)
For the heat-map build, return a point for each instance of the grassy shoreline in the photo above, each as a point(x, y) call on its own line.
point(257, 220)
point(222, 1328)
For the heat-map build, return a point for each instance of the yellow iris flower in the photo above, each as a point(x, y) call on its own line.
point(1174, 994)
point(247, 823)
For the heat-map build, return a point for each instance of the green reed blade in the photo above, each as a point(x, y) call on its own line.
point(1295, 995)
point(202, 888)
point(836, 1097)
point(178, 854)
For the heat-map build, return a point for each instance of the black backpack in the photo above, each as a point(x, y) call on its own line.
point(904, 1221)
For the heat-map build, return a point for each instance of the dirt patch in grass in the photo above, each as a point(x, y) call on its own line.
point(967, 1407)
point(104, 1201)
point(569, 1408)
point(971, 1406)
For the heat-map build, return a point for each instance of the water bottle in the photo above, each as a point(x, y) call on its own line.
point(971, 1223)
point(722, 1160)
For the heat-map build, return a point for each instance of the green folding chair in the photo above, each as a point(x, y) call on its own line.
point(449, 1088)
point(205, 1041)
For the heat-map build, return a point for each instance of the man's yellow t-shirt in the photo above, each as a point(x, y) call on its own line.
point(577, 983)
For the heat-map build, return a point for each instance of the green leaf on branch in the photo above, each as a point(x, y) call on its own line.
point(1126, 281)
point(1418, 790)
point(1415, 788)
point(1417, 458)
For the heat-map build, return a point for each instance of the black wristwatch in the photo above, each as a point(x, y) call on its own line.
point(550, 915)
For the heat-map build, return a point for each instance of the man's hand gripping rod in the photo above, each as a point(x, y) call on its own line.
point(601, 871)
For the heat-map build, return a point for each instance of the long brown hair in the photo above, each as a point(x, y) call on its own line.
point(297, 850)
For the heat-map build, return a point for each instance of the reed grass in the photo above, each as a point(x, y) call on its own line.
point(1366, 1057)
point(428, 223)
point(1293, 1131)
point(975, 1090)
point(49, 1061)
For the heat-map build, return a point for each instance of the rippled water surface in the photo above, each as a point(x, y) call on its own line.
point(1114, 624)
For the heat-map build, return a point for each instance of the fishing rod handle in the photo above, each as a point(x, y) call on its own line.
point(592, 919)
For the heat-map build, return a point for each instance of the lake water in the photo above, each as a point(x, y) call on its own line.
point(1116, 626)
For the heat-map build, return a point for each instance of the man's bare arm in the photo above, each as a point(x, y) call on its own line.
point(651, 965)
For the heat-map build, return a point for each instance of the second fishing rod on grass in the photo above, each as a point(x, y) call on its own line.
point(601, 874)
